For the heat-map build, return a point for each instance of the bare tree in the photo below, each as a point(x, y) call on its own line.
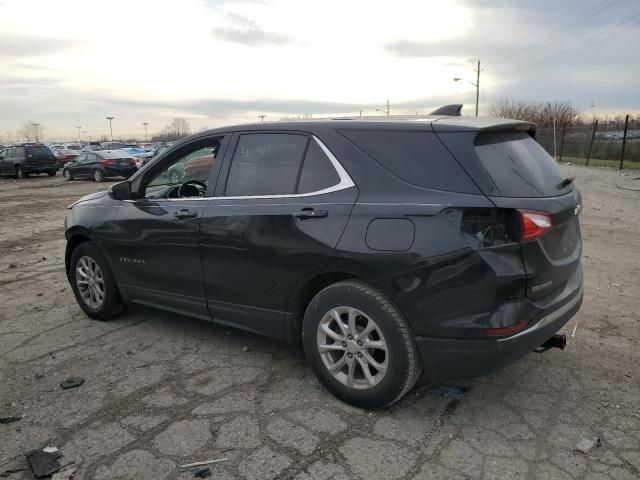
point(540, 113)
point(176, 130)
point(32, 131)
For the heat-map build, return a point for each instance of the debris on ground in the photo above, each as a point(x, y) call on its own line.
point(245, 349)
point(50, 449)
point(71, 382)
point(206, 462)
point(598, 443)
point(10, 419)
point(584, 445)
point(43, 464)
point(202, 472)
point(451, 393)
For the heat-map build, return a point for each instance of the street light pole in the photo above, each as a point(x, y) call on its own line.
point(385, 110)
point(110, 126)
point(261, 117)
point(145, 130)
point(79, 140)
point(475, 84)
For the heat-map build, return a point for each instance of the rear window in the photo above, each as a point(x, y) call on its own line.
point(518, 165)
point(38, 151)
point(415, 157)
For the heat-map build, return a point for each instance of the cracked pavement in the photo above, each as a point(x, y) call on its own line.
point(162, 390)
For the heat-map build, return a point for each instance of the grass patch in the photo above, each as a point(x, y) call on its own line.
point(597, 162)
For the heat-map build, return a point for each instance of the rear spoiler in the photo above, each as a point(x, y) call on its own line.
point(454, 110)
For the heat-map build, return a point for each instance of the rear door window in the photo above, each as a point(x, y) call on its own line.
point(38, 151)
point(266, 164)
point(417, 157)
point(518, 165)
point(318, 172)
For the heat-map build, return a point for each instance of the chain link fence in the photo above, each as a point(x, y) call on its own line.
point(610, 143)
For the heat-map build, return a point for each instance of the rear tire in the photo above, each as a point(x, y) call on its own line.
point(98, 175)
point(20, 172)
point(393, 349)
point(66, 173)
point(104, 301)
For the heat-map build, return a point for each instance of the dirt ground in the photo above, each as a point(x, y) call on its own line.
point(162, 390)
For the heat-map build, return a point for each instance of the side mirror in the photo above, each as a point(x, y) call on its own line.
point(121, 190)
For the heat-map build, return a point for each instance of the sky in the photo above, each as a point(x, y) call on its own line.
point(71, 63)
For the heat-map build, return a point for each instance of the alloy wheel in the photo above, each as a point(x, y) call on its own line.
point(352, 348)
point(90, 282)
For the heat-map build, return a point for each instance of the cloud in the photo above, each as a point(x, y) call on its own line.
point(251, 36)
point(12, 45)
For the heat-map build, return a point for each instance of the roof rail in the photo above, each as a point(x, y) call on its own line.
point(454, 110)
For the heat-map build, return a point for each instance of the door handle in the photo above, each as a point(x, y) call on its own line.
point(310, 213)
point(184, 213)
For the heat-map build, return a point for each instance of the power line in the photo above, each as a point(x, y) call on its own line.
point(600, 36)
point(514, 43)
point(566, 26)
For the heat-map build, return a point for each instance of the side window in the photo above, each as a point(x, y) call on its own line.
point(417, 157)
point(317, 171)
point(192, 168)
point(90, 157)
point(19, 152)
point(266, 164)
point(81, 158)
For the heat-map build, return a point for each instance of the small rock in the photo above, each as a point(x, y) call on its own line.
point(202, 472)
point(71, 382)
point(245, 349)
point(13, 265)
point(39, 294)
point(18, 249)
point(36, 231)
point(584, 445)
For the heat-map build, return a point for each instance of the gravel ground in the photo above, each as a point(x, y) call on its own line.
point(162, 390)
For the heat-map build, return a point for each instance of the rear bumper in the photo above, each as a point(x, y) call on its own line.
point(452, 359)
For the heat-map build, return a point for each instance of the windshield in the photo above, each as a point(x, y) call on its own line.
point(518, 165)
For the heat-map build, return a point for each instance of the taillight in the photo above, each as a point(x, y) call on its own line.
point(108, 161)
point(510, 330)
point(484, 227)
point(534, 224)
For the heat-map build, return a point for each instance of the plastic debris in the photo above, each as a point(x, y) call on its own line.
point(10, 419)
point(584, 445)
point(71, 382)
point(43, 464)
point(202, 472)
point(50, 449)
point(206, 462)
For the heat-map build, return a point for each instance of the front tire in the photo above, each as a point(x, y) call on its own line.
point(98, 175)
point(66, 173)
point(93, 283)
point(359, 345)
point(20, 172)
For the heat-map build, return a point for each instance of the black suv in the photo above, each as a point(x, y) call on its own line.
point(387, 246)
point(21, 160)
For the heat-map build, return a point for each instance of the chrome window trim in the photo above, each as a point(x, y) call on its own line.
point(344, 183)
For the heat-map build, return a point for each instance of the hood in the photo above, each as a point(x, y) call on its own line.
point(91, 196)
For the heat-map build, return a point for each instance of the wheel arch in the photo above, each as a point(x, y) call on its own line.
point(74, 238)
point(302, 295)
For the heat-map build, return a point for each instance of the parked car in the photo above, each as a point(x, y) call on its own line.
point(387, 247)
point(74, 146)
point(141, 157)
point(147, 147)
point(64, 155)
point(112, 145)
point(100, 165)
point(198, 163)
point(22, 160)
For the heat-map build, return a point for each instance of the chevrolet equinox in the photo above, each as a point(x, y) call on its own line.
point(447, 244)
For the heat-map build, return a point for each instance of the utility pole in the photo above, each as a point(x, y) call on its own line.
point(261, 117)
point(110, 127)
point(8, 137)
point(145, 130)
point(36, 127)
point(477, 86)
point(79, 141)
point(385, 110)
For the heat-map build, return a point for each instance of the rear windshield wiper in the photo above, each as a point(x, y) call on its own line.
point(566, 181)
